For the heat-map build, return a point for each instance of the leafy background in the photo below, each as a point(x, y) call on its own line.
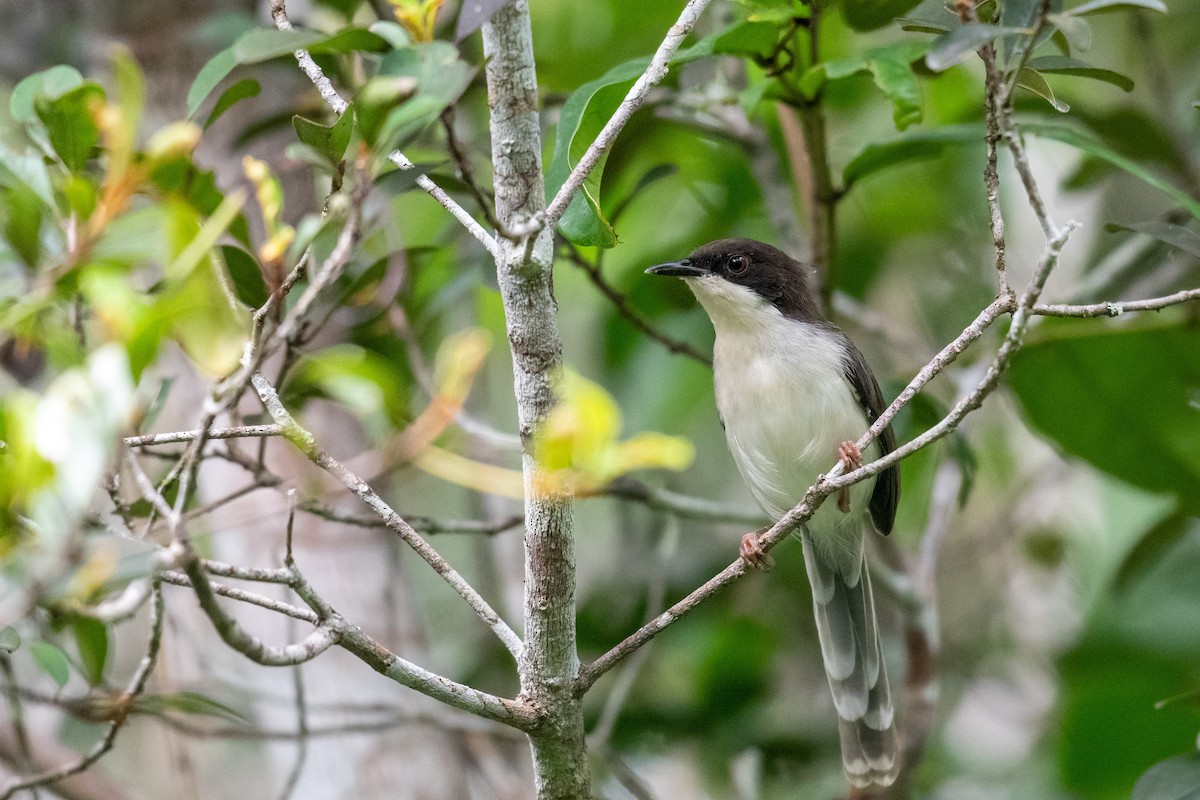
point(1069, 605)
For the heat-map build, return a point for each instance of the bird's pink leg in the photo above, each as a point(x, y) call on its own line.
point(851, 458)
point(752, 551)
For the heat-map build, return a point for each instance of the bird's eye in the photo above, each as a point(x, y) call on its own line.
point(738, 264)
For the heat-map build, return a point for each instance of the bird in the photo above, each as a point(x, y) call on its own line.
point(793, 395)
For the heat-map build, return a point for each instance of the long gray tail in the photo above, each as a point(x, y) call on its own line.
point(845, 612)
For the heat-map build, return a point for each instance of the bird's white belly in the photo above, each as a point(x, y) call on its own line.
point(787, 405)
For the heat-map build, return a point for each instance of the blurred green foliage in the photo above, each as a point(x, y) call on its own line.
point(117, 248)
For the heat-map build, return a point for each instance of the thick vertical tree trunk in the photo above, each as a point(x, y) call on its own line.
point(549, 663)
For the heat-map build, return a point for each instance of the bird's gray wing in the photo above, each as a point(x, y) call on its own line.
point(886, 496)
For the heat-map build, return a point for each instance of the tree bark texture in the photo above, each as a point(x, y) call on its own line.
point(549, 662)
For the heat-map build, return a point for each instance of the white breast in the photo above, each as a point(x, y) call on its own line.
point(785, 401)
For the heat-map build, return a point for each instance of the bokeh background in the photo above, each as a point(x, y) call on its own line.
point(1063, 514)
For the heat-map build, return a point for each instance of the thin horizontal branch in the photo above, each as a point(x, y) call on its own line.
point(1117, 308)
point(335, 102)
point(256, 574)
point(459, 724)
point(306, 443)
point(179, 579)
point(655, 72)
point(176, 437)
point(682, 505)
point(430, 526)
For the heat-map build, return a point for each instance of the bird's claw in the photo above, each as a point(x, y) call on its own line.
point(752, 552)
point(851, 458)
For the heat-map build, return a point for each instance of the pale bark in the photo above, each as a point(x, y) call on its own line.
point(548, 663)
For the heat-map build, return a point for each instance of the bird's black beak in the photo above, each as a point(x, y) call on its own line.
point(678, 269)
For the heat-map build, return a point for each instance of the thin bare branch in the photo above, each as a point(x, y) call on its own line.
point(304, 615)
point(655, 72)
point(1116, 309)
point(335, 102)
point(682, 505)
point(176, 437)
point(306, 443)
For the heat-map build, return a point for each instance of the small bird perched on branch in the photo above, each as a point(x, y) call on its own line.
point(794, 394)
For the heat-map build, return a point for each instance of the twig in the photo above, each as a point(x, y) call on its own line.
point(304, 615)
point(993, 101)
point(176, 437)
point(1116, 309)
point(133, 690)
point(465, 171)
point(621, 303)
point(335, 102)
point(306, 443)
point(655, 72)
point(324, 636)
point(681, 505)
point(429, 526)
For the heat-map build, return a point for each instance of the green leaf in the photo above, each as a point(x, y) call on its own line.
point(131, 91)
point(440, 78)
point(1176, 236)
point(69, 124)
point(893, 75)
point(1087, 390)
point(1076, 31)
point(1088, 145)
point(1176, 778)
point(246, 275)
point(91, 637)
point(1097, 6)
point(391, 32)
point(583, 116)
point(23, 222)
point(748, 38)
point(50, 83)
point(188, 703)
point(951, 48)
point(247, 87)
point(867, 15)
point(10, 640)
point(376, 99)
point(51, 661)
point(1022, 15)
point(352, 40)
point(1149, 550)
point(1063, 65)
point(1033, 81)
point(210, 75)
point(263, 44)
point(329, 140)
point(920, 145)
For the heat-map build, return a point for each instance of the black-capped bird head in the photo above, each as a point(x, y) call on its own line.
point(735, 276)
